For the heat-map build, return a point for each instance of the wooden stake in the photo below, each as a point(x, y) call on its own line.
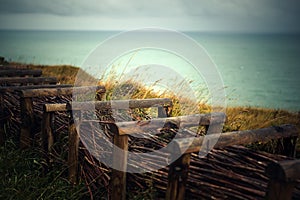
point(73, 153)
point(2, 120)
point(283, 179)
point(177, 177)
point(118, 180)
point(28, 122)
point(47, 132)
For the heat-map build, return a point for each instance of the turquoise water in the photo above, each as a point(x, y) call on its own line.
point(257, 69)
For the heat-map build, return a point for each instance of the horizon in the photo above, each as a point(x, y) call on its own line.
point(180, 31)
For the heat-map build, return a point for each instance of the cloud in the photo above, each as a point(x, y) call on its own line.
point(93, 7)
point(240, 15)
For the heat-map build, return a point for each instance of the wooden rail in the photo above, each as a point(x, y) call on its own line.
point(100, 105)
point(120, 104)
point(13, 67)
point(20, 72)
point(11, 89)
point(181, 122)
point(27, 80)
point(178, 172)
point(283, 179)
point(4, 89)
point(43, 92)
point(26, 102)
point(12, 78)
point(235, 138)
point(164, 109)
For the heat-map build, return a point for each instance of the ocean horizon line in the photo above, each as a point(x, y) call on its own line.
point(182, 31)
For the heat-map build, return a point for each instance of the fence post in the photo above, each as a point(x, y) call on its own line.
point(47, 133)
point(73, 152)
point(283, 179)
point(177, 177)
point(2, 120)
point(28, 121)
point(120, 153)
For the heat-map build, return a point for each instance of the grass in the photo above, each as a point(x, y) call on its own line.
point(21, 172)
point(21, 176)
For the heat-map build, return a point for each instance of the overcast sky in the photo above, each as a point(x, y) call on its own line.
point(182, 15)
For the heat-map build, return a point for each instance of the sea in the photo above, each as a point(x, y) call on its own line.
point(256, 69)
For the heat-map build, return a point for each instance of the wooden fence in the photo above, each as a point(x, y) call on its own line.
point(282, 175)
point(13, 78)
point(182, 148)
point(178, 172)
point(27, 112)
point(163, 106)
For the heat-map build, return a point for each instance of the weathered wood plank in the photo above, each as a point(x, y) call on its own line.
point(120, 104)
point(61, 91)
point(134, 127)
point(20, 72)
point(2, 120)
point(177, 178)
point(165, 110)
point(55, 107)
point(120, 153)
point(28, 80)
point(91, 105)
point(73, 153)
point(283, 176)
point(47, 133)
point(288, 170)
point(12, 67)
point(47, 138)
point(26, 87)
point(280, 190)
point(191, 145)
point(28, 122)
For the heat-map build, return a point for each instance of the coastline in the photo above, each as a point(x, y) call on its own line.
point(238, 119)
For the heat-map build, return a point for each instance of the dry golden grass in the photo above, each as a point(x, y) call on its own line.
point(243, 118)
point(65, 74)
point(238, 118)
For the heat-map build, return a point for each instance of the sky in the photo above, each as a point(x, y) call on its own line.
point(181, 15)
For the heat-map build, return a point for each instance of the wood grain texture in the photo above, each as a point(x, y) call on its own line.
point(55, 107)
point(177, 178)
point(20, 72)
point(157, 124)
point(61, 91)
point(278, 190)
point(288, 170)
point(120, 153)
point(191, 145)
point(28, 80)
point(73, 153)
point(47, 132)
point(120, 104)
point(28, 122)
point(26, 87)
